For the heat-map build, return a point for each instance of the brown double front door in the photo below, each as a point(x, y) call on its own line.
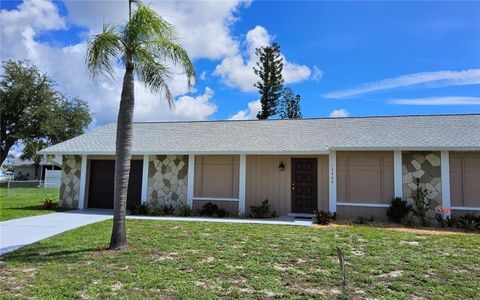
point(304, 185)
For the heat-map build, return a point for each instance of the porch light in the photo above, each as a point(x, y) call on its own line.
point(281, 167)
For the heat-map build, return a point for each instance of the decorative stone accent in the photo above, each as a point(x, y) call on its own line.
point(167, 179)
point(426, 167)
point(70, 185)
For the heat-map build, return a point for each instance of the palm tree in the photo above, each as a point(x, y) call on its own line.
point(144, 44)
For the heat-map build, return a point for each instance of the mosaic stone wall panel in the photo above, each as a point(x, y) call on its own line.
point(167, 179)
point(70, 185)
point(426, 167)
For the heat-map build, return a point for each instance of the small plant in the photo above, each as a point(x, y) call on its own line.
point(211, 210)
point(49, 203)
point(398, 210)
point(445, 221)
point(422, 204)
point(409, 220)
point(261, 211)
point(363, 220)
point(140, 209)
point(469, 222)
point(341, 261)
point(168, 210)
point(323, 217)
point(185, 211)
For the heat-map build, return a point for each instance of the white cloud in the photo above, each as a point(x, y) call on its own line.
point(195, 108)
point(203, 29)
point(237, 71)
point(438, 101)
point(203, 75)
point(437, 79)
point(317, 74)
point(250, 113)
point(339, 113)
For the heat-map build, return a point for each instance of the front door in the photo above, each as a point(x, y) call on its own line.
point(304, 185)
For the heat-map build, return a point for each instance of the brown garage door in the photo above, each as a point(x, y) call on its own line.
point(100, 190)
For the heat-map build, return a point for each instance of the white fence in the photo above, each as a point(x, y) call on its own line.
point(53, 178)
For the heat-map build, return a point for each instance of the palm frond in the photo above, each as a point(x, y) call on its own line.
point(152, 73)
point(102, 51)
point(168, 50)
point(146, 24)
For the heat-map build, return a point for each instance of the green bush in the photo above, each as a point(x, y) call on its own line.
point(211, 210)
point(324, 217)
point(445, 221)
point(49, 203)
point(469, 222)
point(261, 211)
point(140, 209)
point(185, 211)
point(363, 220)
point(398, 210)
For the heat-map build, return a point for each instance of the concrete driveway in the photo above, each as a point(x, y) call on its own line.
point(24, 231)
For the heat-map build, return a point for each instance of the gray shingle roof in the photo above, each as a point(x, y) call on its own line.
point(449, 132)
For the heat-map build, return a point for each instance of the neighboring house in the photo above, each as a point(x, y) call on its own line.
point(352, 166)
point(25, 169)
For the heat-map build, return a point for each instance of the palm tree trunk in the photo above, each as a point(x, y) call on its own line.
point(122, 160)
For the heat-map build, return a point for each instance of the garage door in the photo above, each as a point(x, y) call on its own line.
point(100, 189)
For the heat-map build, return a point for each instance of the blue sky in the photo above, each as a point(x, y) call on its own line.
point(348, 58)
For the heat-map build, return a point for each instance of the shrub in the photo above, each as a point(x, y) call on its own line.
point(398, 210)
point(261, 211)
point(323, 217)
point(49, 203)
point(154, 208)
point(140, 209)
point(185, 211)
point(421, 204)
point(211, 210)
point(469, 222)
point(363, 220)
point(445, 221)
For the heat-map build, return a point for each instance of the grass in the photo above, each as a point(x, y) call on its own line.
point(24, 202)
point(211, 260)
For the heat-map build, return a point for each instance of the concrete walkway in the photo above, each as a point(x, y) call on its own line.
point(279, 221)
point(24, 231)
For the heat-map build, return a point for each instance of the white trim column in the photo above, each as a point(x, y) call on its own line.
point(145, 178)
point(332, 182)
point(83, 180)
point(445, 173)
point(397, 174)
point(242, 184)
point(190, 179)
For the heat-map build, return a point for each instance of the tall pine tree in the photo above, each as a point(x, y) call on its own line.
point(269, 70)
point(289, 105)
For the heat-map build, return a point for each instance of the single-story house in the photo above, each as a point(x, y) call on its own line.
point(353, 166)
point(24, 169)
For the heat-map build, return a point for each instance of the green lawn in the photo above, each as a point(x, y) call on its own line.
point(188, 260)
point(24, 202)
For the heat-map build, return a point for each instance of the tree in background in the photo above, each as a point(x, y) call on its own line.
point(144, 45)
point(269, 70)
point(31, 152)
point(289, 105)
point(33, 112)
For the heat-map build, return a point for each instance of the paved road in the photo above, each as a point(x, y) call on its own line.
point(24, 231)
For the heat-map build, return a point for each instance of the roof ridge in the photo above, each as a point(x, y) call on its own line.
point(307, 119)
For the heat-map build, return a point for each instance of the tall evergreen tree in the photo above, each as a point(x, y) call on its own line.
point(290, 105)
point(269, 70)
